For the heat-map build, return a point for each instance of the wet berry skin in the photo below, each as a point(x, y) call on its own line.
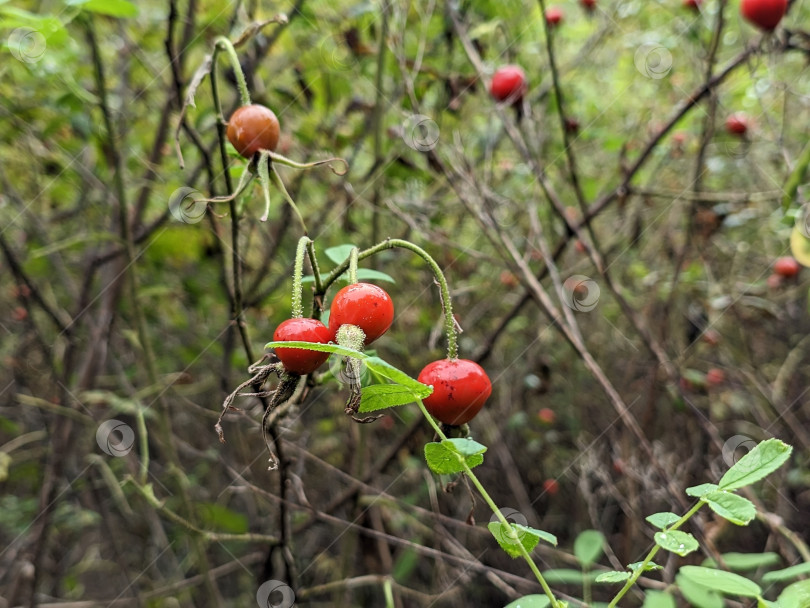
point(460, 388)
point(365, 305)
point(299, 360)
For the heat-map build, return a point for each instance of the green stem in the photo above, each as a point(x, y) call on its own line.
point(640, 569)
point(223, 43)
point(298, 275)
point(491, 503)
point(449, 321)
point(353, 266)
point(144, 446)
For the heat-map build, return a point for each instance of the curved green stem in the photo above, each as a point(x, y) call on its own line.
point(496, 510)
point(283, 160)
point(450, 328)
point(353, 266)
point(223, 43)
point(268, 174)
point(298, 275)
point(649, 557)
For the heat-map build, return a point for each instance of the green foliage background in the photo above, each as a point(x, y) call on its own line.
point(690, 242)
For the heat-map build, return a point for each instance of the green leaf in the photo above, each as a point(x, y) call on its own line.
point(736, 509)
point(530, 601)
point(613, 576)
point(761, 461)
point(386, 370)
point(111, 8)
point(449, 456)
point(340, 253)
point(588, 547)
point(778, 576)
point(323, 348)
point(796, 595)
point(701, 490)
point(369, 274)
point(466, 447)
point(662, 520)
point(698, 595)
point(442, 460)
point(512, 536)
point(745, 561)
point(648, 568)
point(676, 541)
point(219, 517)
point(381, 396)
point(721, 581)
point(658, 599)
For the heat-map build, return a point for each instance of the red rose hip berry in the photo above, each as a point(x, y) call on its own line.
point(460, 388)
point(508, 82)
point(554, 15)
point(737, 124)
point(588, 5)
point(786, 267)
point(299, 360)
point(765, 14)
point(365, 305)
point(253, 128)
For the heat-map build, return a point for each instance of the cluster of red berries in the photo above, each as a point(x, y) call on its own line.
point(460, 386)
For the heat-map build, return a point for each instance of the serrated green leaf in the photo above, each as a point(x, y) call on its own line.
point(662, 520)
point(613, 576)
point(698, 595)
point(386, 370)
point(443, 460)
point(745, 561)
point(323, 348)
point(648, 568)
point(530, 601)
point(736, 509)
point(588, 547)
point(340, 253)
point(721, 581)
point(382, 396)
point(676, 541)
point(778, 576)
point(796, 595)
point(761, 461)
point(704, 488)
point(658, 599)
point(511, 537)
point(465, 446)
